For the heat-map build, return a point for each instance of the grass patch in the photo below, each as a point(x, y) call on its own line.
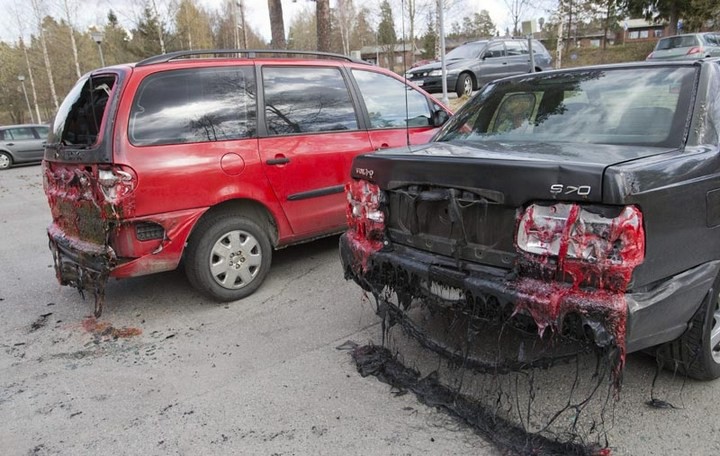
point(631, 52)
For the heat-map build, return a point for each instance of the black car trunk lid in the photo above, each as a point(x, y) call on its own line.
point(464, 201)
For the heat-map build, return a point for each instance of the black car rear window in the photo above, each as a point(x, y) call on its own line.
point(196, 105)
point(642, 106)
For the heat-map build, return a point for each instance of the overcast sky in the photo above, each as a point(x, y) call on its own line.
point(95, 12)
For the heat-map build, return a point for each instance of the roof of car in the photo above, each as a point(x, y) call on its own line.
point(615, 66)
point(236, 53)
point(5, 127)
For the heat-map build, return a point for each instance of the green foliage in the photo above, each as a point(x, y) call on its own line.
point(631, 52)
point(362, 32)
point(386, 29)
point(479, 25)
point(302, 31)
point(694, 13)
point(146, 35)
point(192, 27)
point(11, 96)
point(429, 39)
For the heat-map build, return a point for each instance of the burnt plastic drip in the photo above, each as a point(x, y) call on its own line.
point(508, 409)
point(462, 358)
point(514, 439)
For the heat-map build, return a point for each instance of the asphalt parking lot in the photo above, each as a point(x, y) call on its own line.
point(165, 371)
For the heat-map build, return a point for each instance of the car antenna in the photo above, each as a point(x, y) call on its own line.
point(405, 87)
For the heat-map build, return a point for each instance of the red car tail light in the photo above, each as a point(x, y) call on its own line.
point(363, 211)
point(116, 182)
point(601, 246)
point(650, 55)
point(694, 50)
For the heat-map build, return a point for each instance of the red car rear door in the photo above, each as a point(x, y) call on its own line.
point(311, 135)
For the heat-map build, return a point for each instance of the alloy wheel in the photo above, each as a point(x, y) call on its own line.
point(715, 332)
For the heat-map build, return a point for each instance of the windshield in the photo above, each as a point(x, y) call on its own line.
point(466, 51)
point(641, 106)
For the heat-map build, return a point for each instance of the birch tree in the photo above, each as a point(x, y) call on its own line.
point(69, 8)
point(38, 10)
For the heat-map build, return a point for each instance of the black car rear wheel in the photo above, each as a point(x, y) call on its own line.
point(5, 160)
point(697, 352)
point(464, 85)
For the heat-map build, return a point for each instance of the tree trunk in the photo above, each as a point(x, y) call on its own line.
point(277, 26)
point(674, 18)
point(46, 56)
point(242, 21)
point(32, 81)
point(161, 38)
point(73, 43)
point(323, 25)
point(606, 27)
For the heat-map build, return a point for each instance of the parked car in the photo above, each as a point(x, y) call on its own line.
point(473, 64)
point(216, 161)
point(22, 144)
point(689, 46)
point(590, 193)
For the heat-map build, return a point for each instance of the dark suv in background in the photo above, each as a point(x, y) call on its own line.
point(476, 63)
point(214, 160)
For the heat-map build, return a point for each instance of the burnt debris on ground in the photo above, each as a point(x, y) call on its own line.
point(379, 362)
point(552, 394)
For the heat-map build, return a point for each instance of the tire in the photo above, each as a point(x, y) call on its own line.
point(228, 257)
point(6, 160)
point(696, 353)
point(464, 85)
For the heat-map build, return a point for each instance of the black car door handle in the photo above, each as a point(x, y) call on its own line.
point(277, 161)
point(10, 144)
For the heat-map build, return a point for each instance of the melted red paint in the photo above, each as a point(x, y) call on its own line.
point(365, 234)
point(596, 288)
point(103, 328)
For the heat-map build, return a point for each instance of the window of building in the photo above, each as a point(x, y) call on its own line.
point(633, 35)
point(644, 33)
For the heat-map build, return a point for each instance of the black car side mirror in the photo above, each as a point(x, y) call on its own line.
point(439, 118)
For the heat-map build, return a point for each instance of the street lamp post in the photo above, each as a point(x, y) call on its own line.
point(98, 36)
point(21, 78)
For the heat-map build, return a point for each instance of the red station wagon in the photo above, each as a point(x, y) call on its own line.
point(215, 160)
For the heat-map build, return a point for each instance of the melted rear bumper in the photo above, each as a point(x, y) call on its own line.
point(79, 263)
point(633, 321)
